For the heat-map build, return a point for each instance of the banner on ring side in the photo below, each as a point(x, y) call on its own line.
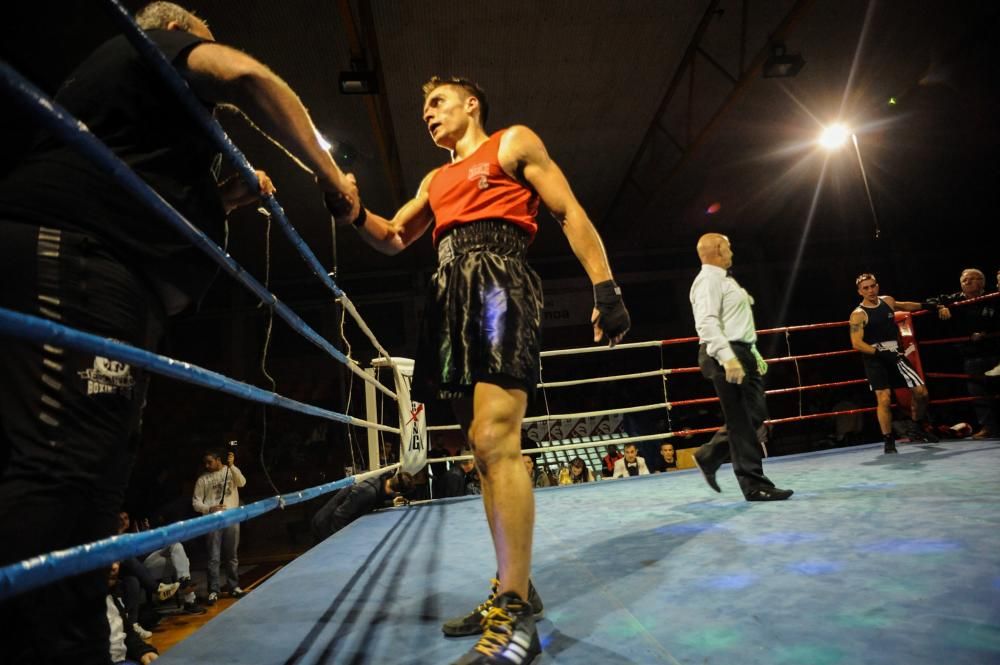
point(412, 419)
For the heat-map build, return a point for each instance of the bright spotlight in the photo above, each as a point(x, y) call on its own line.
point(834, 136)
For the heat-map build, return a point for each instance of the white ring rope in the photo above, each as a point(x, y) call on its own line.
point(570, 416)
point(600, 349)
point(599, 379)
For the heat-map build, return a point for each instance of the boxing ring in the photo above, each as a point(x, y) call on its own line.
point(876, 559)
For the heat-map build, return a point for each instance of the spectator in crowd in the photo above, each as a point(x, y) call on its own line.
point(125, 645)
point(996, 369)
point(539, 478)
point(136, 585)
point(215, 490)
point(668, 458)
point(359, 499)
point(172, 563)
point(631, 464)
point(463, 478)
point(579, 473)
point(439, 473)
point(609, 461)
point(980, 324)
point(79, 249)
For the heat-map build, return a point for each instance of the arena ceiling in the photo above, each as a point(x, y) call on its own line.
point(655, 109)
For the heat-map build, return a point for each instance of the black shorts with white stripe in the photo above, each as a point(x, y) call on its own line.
point(888, 370)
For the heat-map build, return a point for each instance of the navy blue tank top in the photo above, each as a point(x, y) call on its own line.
point(881, 326)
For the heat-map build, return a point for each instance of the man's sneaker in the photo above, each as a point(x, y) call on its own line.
point(889, 448)
point(472, 623)
point(193, 608)
point(509, 635)
point(141, 632)
point(165, 591)
point(993, 372)
point(212, 598)
point(238, 593)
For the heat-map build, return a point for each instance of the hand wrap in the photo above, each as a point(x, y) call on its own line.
point(337, 204)
point(612, 318)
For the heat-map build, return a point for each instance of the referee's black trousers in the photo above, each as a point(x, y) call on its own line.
point(744, 410)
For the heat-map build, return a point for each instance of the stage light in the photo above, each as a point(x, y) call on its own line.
point(892, 101)
point(359, 80)
point(781, 64)
point(358, 83)
point(714, 208)
point(834, 136)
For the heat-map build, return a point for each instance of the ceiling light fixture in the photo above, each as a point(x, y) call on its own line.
point(781, 64)
point(359, 80)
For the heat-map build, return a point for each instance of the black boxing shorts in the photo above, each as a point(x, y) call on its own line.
point(482, 316)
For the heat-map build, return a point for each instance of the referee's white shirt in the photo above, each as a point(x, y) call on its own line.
point(723, 312)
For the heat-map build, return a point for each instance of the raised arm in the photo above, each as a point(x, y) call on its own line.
point(857, 326)
point(902, 305)
point(522, 151)
point(222, 75)
point(391, 236)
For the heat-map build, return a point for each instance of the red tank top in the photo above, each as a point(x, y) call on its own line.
point(477, 188)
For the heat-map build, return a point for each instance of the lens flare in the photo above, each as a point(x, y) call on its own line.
point(834, 136)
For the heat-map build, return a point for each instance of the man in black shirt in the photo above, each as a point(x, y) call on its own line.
point(80, 250)
point(359, 499)
point(980, 323)
point(463, 478)
point(874, 334)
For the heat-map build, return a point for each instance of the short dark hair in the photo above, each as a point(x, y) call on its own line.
point(470, 87)
point(402, 482)
point(862, 277)
point(156, 16)
point(212, 452)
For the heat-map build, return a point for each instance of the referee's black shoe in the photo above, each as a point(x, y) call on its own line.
point(509, 635)
point(472, 623)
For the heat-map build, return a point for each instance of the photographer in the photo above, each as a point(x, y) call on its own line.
point(359, 499)
point(218, 489)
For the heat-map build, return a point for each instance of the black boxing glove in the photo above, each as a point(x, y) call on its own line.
point(612, 316)
point(337, 204)
point(887, 356)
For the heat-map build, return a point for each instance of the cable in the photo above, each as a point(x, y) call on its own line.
point(350, 388)
point(267, 346)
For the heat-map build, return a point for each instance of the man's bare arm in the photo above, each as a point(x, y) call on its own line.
point(223, 75)
point(523, 148)
point(857, 327)
point(906, 306)
point(391, 236)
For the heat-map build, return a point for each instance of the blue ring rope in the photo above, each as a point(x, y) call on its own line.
point(33, 328)
point(47, 568)
point(75, 133)
point(17, 578)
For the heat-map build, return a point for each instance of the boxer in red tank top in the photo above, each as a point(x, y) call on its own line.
point(480, 340)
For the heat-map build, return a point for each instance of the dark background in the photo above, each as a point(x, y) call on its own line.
point(647, 136)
